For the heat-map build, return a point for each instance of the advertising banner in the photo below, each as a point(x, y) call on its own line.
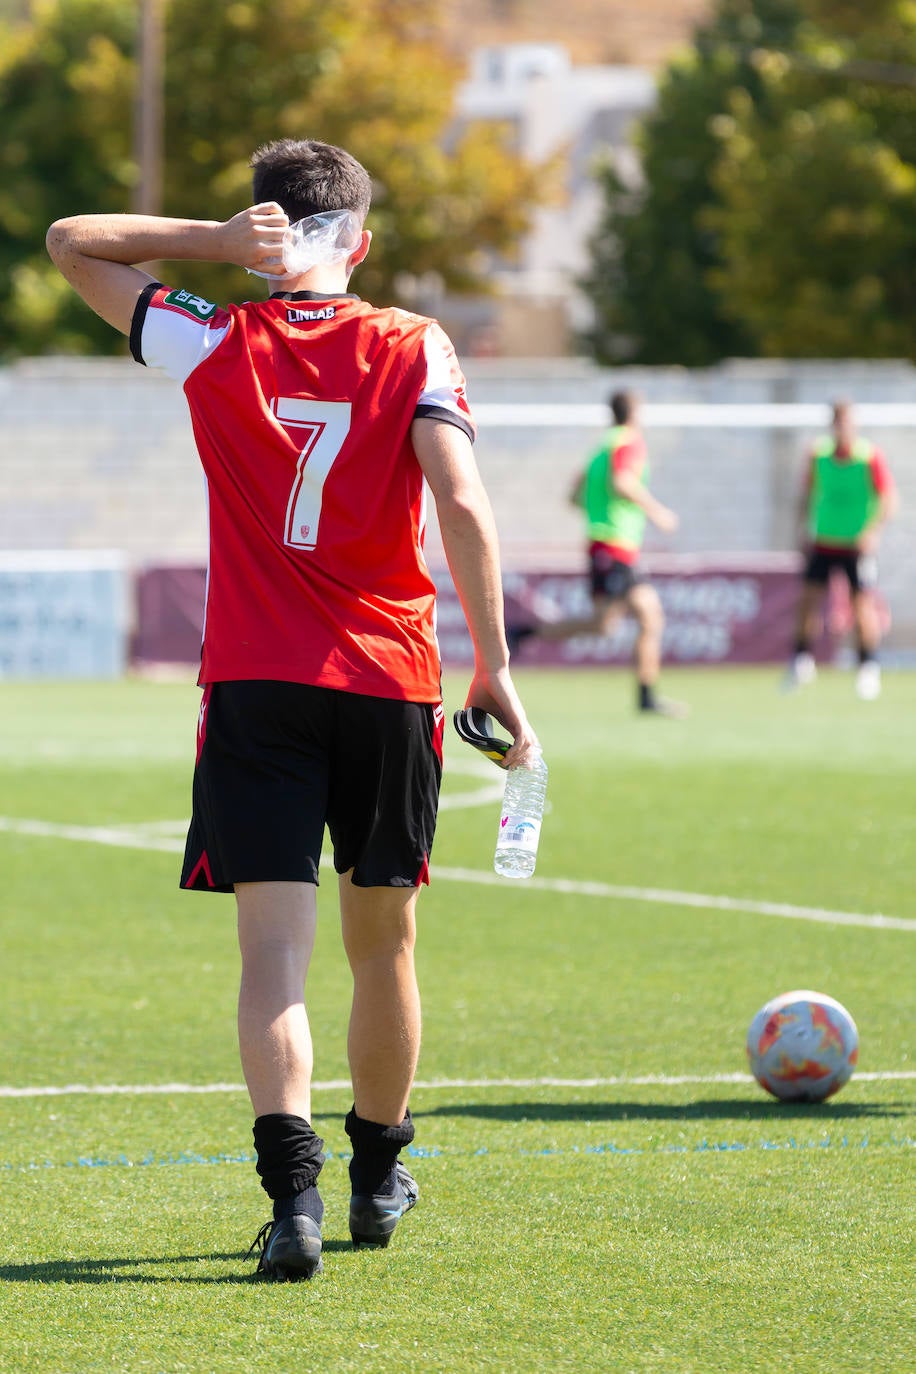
point(716, 611)
point(169, 615)
point(63, 614)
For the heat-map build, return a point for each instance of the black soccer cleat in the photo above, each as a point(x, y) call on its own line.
point(373, 1219)
point(289, 1250)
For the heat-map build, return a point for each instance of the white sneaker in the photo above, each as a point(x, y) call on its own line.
point(868, 681)
point(801, 672)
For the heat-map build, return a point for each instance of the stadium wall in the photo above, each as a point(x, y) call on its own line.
point(99, 455)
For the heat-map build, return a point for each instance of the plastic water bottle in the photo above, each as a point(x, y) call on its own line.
point(520, 820)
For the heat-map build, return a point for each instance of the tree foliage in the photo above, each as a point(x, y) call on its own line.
point(656, 244)
point(778, 211)
point(817, 225)
point(817, 208)
point(371, 75)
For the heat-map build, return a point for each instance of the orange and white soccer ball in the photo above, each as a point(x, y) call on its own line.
point(802, 1046)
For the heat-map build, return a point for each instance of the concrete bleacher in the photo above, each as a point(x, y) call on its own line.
point(98, 454)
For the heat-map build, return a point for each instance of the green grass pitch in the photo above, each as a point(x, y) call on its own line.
point(668, 1217)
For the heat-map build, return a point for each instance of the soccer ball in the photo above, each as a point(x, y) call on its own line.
point(802, 1046)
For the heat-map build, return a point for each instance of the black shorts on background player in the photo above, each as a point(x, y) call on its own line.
point(860, 570)
point(610, 577)
point(279, 759)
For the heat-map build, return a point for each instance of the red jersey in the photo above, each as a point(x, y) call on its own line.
point(301, 407)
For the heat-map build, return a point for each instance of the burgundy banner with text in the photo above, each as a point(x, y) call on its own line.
point(713, 614)
point(716, 611)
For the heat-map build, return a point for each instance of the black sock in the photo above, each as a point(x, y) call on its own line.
point(308, 1203)
point(802, 646)
point(646, 696)
point(375, 1153)
point(290, 1158)
point(867, 655)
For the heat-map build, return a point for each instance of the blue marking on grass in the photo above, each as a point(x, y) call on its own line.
point(152, 1160)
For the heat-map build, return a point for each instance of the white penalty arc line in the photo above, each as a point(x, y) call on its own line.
point(137, 837)
point(649, 1080)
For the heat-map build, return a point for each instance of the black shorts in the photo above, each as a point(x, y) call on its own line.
point(610, 577)
point(860, 569)
point(276, 761)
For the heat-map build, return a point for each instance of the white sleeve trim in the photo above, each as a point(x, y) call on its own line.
point(176, 342)
point(444, 387)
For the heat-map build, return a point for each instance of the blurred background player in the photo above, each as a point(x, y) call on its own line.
point(317, 418)
point(847, 495)
point(613, 494)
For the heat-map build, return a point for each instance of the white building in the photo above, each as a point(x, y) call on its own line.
point(582, 116)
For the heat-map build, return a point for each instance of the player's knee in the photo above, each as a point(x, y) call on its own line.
point(378, 922)
point(604, 613)
point(648, 610)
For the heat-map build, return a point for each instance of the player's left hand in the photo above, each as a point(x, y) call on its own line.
point(665, 519)
point(254, 238)
point(867, 542)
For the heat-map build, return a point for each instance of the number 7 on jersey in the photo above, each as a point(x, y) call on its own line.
point(321, 427)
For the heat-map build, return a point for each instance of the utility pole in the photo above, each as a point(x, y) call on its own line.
point(147, 197)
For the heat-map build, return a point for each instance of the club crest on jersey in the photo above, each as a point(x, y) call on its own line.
point(190, 304)
point(324, 312)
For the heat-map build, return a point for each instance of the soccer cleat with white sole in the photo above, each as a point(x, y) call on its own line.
point(801, 672)
point(664, 706)
point(868, 681)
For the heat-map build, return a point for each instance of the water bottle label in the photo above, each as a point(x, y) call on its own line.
point(519, 832)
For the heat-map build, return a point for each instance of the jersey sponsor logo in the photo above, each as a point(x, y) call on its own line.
point(326, 312)
point(192, 305)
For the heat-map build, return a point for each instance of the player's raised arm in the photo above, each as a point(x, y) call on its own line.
point(471, 548)
point(98, 253)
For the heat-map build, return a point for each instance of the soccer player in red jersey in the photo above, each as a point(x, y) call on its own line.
point(321, 422)
point(847, 495)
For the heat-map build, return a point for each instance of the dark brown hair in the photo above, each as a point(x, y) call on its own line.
point(623, 404)
point(305, 178)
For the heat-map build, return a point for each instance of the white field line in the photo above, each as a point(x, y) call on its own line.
point(649, 1080)
point(672, 897)
point(133, 837)
point(140, 837)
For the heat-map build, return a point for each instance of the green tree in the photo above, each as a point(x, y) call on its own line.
point(656, 244)
point(777, 211)
point(65, 98)
point(370, 74)
point(816, 212)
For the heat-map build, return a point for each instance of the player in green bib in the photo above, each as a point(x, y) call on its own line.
point(847, 496)
point(613, 494)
